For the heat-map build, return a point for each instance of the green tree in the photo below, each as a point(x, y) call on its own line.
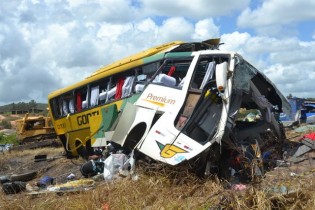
point(32, 105)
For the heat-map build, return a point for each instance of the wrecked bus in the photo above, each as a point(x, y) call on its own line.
point(173, 103)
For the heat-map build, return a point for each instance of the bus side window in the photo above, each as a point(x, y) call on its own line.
point(67, 104)
point(111, 90)
point(78, 97)
point(204, 72)
point(56, 108)
point(173, 74)
point(121, 88)
point(65, 110)
point(103, 91)
point(85, 98)
point(127, 86)
point(165, 80)
point(140, 83)
point(71, 105)
point(94, 96)
point(103, 96)
point(165, 77)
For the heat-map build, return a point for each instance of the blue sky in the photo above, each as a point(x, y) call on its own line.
point(49, 44)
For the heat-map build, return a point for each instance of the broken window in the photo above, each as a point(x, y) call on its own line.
point(205, 70)
point(173, 73)
point(244, 73)
point(203, 84)
point(202, 118)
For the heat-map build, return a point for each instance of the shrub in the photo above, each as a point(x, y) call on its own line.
point(8, 139)
point(6, 124)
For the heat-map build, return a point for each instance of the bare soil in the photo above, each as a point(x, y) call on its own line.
point(56, 165)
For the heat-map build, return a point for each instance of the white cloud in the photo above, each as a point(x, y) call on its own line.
point(76, 3)
point(146, 25)
point(175, 29)
point(193, 9)
point(277, 12)
point(234, 41)
point(295, 79)
point(113, 31)
point(205, 29)
point(297, 53)
point(115, 11)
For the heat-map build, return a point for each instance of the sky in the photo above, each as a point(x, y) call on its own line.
point(50, 44)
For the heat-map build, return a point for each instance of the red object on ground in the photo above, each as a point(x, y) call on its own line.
point(310, 136)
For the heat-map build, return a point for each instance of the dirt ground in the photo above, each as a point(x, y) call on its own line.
point(286, 179)
point(56, 165)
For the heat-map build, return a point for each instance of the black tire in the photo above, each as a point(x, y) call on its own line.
point(4, 179)
point(13, 187)
point(24, 177)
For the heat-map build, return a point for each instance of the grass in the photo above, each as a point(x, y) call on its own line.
point(157, 193)
point(8, 139)
point(165, 187)
point(161, 187)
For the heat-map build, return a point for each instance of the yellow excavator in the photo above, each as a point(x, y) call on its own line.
point(34, 128)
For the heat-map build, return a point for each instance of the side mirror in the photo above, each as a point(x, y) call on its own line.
point(221, 76)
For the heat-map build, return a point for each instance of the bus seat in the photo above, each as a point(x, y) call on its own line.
point(171, 71)
point(141, 77)
point(111, 93)
point(79, 102)
point(71, 106)
point(84, 104)
point(119, 88)
point(166, 80)
point(94, 96)
point(139, 88)
point(65, 107)
point(103, 96)
point(127, 87)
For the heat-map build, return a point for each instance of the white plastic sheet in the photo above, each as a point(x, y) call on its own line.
point(113, 164)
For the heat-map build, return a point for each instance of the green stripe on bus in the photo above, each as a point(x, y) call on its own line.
point(153, 58)
point(178, 54)
point(131, 99)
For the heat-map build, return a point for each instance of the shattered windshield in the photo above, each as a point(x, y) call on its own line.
point(244, 73)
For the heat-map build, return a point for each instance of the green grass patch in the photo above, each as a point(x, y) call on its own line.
point(8, 139)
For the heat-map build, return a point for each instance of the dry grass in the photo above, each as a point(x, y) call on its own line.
point(160, 187)
point(159, 193)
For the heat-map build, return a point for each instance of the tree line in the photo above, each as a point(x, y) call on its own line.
point(31, 107)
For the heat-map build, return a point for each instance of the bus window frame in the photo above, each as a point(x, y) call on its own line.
point(218, 58)
point(171, 61)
